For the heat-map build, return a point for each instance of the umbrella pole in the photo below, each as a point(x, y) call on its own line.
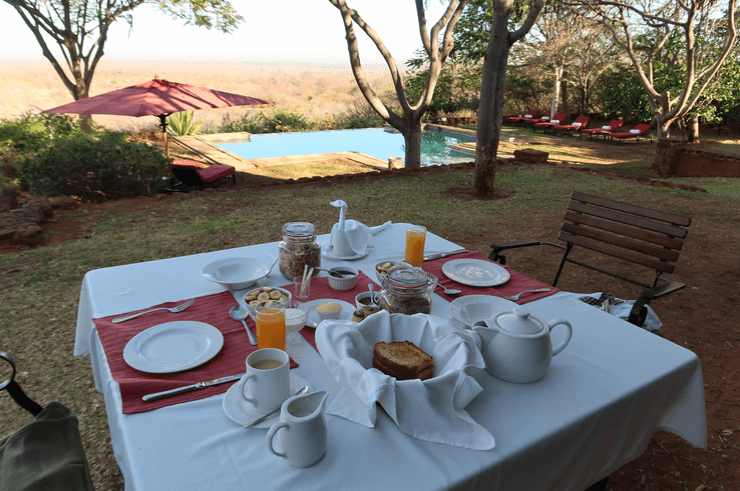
point(163, 124)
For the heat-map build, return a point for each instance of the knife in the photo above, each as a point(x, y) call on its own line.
point(188, 388)
point(445, 254)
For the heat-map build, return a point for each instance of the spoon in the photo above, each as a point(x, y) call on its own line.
point(335, 273)
point(271, 267)
point(238, 314)
point(449, 291)
point(262, 418)
point(372, 297)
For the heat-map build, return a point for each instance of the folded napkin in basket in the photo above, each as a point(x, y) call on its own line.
point(349, 237)
point(433, 409)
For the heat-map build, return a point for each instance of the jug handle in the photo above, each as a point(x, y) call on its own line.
point(557, 322)
point(271, 437)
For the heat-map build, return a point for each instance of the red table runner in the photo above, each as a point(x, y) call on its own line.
point(213, 310)
point(517, 283)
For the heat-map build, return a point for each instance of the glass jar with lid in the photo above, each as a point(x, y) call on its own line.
point(298, 249)
point(405, 291)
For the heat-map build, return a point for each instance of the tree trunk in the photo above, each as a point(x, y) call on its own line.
point(556, 93)
point(664, 129)
point(564, 93)
point(412, 141)
point(694, 129)
point(491, 104)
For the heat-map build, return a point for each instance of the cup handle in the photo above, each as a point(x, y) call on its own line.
point(561, 322)
point(244, 386)
point(271, 436)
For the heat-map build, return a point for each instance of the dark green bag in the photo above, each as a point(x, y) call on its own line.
point(45, 455)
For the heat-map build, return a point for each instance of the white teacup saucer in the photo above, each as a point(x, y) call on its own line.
point(240, 411)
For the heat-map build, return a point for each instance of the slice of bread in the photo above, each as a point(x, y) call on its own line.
point(402, 360)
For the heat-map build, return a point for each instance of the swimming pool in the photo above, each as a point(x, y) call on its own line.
point(375, 142)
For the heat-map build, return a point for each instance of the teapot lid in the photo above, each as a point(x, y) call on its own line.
point(519, 322)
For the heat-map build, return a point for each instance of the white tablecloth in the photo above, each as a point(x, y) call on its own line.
point(606, 393)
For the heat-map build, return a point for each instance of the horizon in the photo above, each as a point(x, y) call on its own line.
point(317, 36)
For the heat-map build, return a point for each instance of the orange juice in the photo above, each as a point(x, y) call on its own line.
point(415, 238)
point(271, 329)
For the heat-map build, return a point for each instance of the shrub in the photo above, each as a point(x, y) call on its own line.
point(32, 132)
point(182, 124)
point(106, 166)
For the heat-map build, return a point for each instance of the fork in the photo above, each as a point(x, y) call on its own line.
point(179, 308)
point(514, 298)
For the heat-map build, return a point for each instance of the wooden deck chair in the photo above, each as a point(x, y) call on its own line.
point(559, 118)
point(45, 454)
point(604, 131)
point(579, 124)
point(194, 175)
point(638, 132)
point(647, 239)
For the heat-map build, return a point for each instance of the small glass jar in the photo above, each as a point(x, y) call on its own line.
point(405, 292)
point(298, 249)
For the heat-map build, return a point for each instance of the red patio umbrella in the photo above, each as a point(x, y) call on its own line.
point(158, 98)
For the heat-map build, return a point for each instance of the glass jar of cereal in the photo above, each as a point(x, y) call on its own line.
point(405, 291)
point(299, 248)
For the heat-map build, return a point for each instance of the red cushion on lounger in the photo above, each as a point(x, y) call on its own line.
point(210, 174)
point(188, 163)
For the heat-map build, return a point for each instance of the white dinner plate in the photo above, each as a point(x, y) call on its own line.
point(313, 316)
point(236, 273)
point(475, 272)
point(240, 411)
point(329, 254)
point(173, 347)
point(472, 308)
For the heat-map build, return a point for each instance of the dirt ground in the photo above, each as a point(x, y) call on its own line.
point(701, 318)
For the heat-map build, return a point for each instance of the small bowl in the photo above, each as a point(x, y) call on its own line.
point(296, 315)
point(345, 283)
point(381, 274)
point(361, 300)
point(281, 304)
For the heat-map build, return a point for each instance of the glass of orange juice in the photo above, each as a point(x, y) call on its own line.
point(415, 238)
point(270, 327)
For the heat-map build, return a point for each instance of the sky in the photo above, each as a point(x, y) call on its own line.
point(274, 31)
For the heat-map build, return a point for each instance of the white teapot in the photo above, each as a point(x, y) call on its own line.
point(517, 346)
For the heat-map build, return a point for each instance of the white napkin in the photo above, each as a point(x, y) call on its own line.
point(350, 237)
point(433, 409)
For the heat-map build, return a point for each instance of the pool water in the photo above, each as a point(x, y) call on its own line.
point(375, 142)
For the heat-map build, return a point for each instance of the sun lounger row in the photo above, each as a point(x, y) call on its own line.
point(556, 124)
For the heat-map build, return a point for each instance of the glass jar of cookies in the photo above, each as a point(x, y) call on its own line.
point(298, 249)
point(405, 292)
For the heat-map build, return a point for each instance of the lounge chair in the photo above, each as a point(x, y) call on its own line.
point(604, 131)
point(532, 114)
point(194, 175)
point(639, 131)
point(542, 119)
point(578, 125)
point(559, 118)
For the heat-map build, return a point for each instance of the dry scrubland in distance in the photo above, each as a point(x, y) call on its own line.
point(315, 91)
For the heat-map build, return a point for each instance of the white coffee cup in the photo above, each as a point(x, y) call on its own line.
point(267, 382)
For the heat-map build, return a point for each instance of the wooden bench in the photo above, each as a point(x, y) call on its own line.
point(638, 235)
point(194, 175)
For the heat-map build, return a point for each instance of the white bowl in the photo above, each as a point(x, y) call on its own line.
point(236, 273)
point(283, 303)
point(345, 283)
